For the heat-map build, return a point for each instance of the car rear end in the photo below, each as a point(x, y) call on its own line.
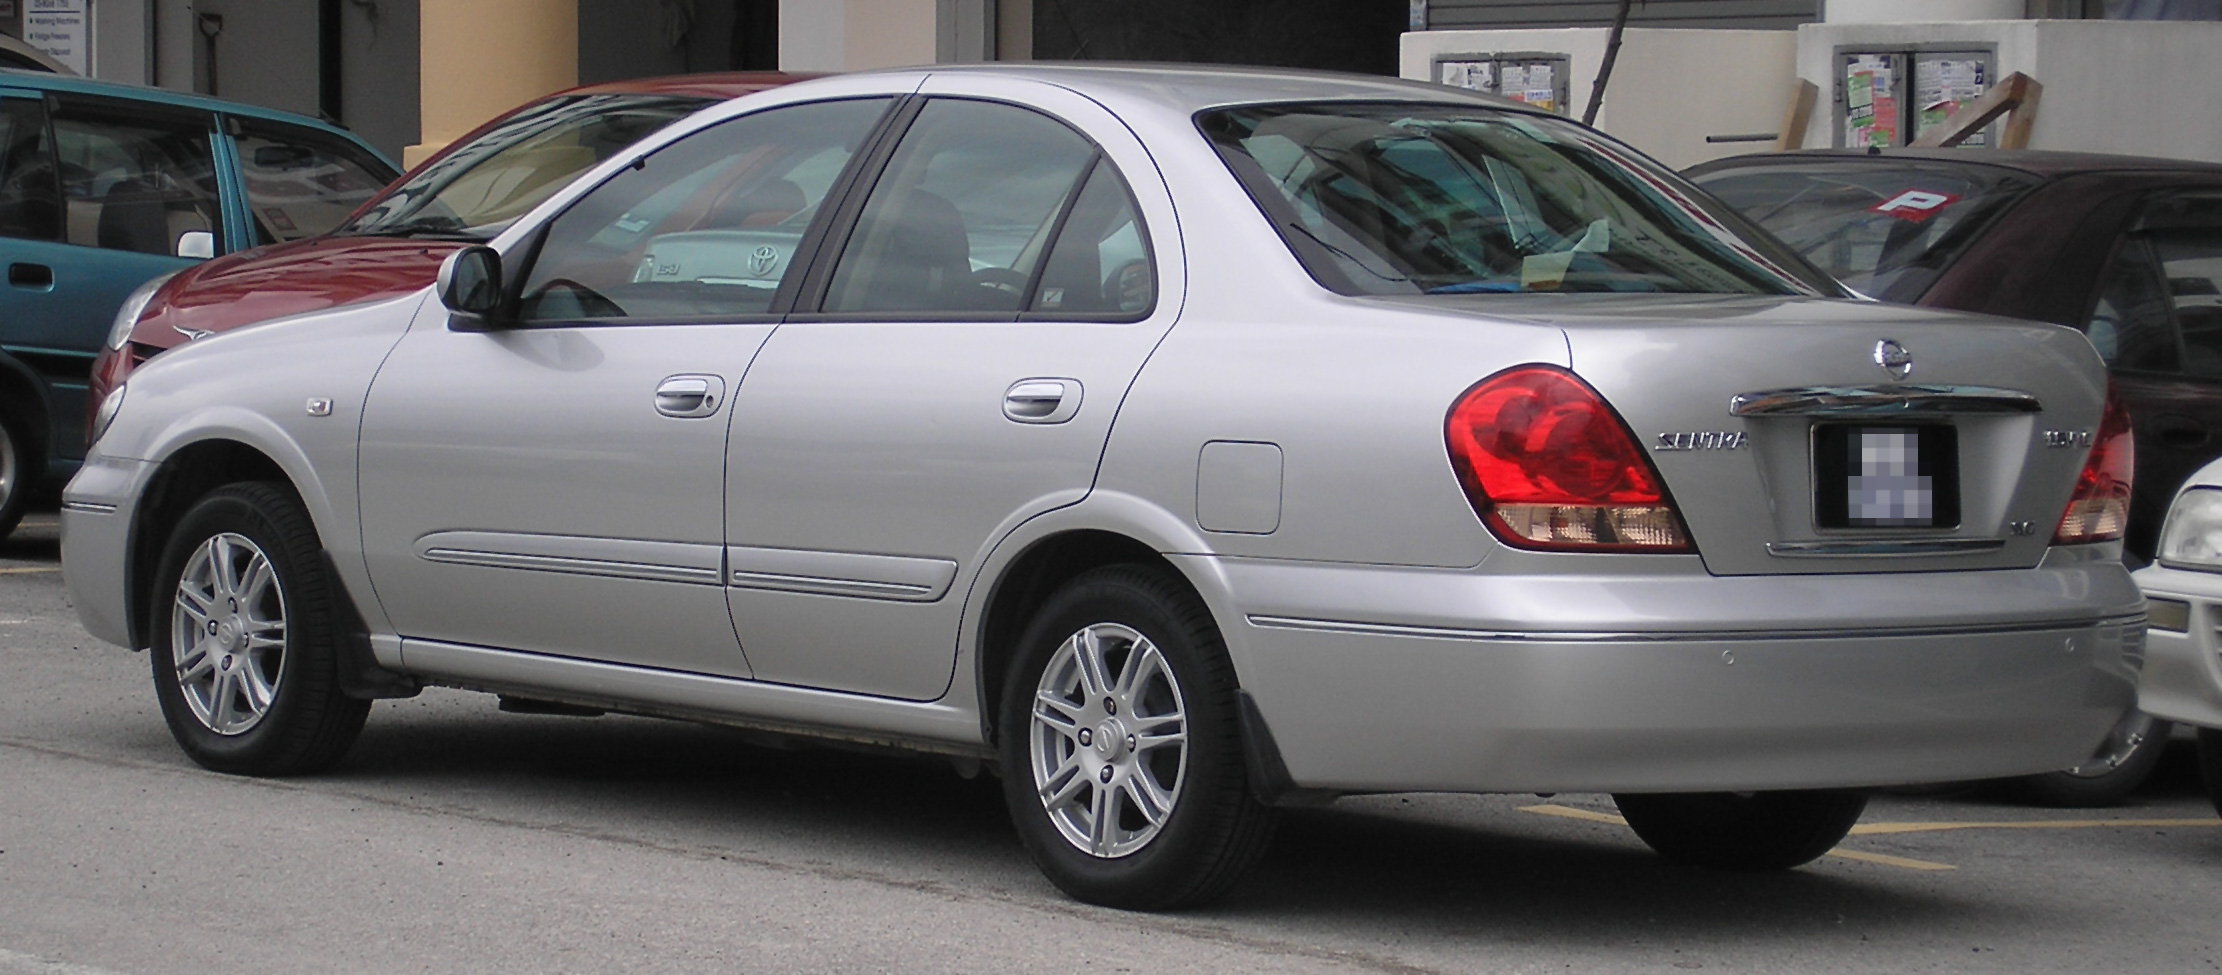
point(1584, 487)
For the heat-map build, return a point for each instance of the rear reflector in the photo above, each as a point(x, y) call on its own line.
point(2099, 509)
point(1548, 465)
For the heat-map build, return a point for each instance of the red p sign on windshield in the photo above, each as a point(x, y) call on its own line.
point(1915, 205)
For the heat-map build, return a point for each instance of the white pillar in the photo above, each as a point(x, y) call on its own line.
point(1921, 11)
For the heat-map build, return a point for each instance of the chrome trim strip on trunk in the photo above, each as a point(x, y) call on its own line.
point(1879, 548)
point(896, 577)
point(617, 558)
point(1889, 400)
point(1548, 636)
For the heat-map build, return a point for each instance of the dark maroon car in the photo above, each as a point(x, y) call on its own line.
point(394, 244)
point(2128, 250)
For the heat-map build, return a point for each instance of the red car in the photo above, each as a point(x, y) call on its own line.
point(394, 244)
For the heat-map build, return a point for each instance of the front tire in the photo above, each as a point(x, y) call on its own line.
point(1743, 831)
point(245, 638)
point(1121, 746)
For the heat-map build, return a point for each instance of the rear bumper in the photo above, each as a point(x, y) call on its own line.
point(1981, 675)
point(2182, 680)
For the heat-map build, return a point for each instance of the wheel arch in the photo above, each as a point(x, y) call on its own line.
point(184, 477)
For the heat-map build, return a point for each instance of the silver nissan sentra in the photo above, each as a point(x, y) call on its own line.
point(1184, 442)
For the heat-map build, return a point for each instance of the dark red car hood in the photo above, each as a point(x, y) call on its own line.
point(287, 279)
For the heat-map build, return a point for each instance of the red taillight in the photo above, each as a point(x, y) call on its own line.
point(1547, 465)
point(2099, 509)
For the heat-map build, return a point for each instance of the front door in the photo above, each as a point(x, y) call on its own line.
point(556, 485)
point(957, 369)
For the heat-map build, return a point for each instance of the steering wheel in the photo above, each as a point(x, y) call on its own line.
point(1002, 279)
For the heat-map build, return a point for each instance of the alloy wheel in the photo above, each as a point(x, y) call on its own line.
point(227, 629)
point(1109, 742)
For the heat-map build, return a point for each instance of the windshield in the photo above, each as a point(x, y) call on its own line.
point(1434, 199)
point(1886, 230)
point(475, 192)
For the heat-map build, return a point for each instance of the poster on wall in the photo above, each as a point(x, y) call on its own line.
point(62, 30)
point(1870, 102)
point(1471, 75)
point(1940, 87)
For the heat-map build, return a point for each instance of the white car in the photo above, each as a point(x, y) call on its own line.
point(2182, 679)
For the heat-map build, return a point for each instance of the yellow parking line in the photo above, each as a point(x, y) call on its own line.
point(1569, 812)
point(1887, 860)
point(28, 569)
point(1885, 829)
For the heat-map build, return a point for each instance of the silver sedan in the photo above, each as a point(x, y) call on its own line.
point(1183, 443)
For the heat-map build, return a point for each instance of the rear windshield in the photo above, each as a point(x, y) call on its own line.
point(1887, 231)
point(1403, 199)
point(476, 191)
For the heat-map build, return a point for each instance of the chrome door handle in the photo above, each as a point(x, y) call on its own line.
point(1042, 400)
point(690, 396)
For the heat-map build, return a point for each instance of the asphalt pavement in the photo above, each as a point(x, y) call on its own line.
point(457, 838)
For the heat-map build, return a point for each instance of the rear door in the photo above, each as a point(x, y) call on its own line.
point(965, 349)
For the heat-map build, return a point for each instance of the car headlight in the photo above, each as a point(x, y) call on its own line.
point(106, 414)
point(2193, 537)
point(134, 304)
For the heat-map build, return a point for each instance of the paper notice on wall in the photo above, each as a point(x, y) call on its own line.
point(1472, 75)
point(1940, 88)
point(1870, 103)
point(61, 30)
point(1541, 91)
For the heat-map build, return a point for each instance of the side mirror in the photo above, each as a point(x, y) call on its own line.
point(470, 287)
point(197, 244)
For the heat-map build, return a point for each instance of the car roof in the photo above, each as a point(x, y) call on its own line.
point(17, 78)
point(2044, 163)
point(1196, 87)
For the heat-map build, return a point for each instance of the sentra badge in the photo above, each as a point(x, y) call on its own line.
point(1700, 440)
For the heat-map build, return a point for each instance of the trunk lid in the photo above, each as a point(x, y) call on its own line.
point(1995, 414)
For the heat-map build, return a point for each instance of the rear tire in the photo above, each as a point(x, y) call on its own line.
point(1122, 749)
point(2119, 766)
point(245, 637)
point(2210, 765)
point(1743, 830)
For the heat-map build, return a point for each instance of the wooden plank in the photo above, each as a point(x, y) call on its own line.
point(2017, 93)
point(1797, 116)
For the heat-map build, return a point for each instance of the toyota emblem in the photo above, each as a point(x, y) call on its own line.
point(760, 263)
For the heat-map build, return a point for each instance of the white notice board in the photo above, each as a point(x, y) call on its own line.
point(62, 30)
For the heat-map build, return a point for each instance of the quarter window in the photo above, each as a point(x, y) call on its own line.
point(705, 228)
point(134, 183)
point(960, 219)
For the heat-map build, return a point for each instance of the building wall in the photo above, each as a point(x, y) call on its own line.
point(1654, 101)
point(2137, 87)
point(1495, 14)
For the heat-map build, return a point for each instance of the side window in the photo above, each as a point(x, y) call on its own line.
point(301, 183)
point(30, 202)
point(136, 182)
point(1100, 264)
point(705, 227)
point(963, 213)
point(2191, 264)
point(2130, 324)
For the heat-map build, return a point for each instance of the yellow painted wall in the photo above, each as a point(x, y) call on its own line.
point(480, 58)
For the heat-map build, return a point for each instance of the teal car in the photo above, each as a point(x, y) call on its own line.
point(106, 188)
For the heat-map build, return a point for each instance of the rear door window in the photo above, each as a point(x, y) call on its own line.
point(136, 180)
point(300, 182)
point(2159, 308)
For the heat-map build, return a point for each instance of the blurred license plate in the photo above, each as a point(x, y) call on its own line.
point(1874, 476)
